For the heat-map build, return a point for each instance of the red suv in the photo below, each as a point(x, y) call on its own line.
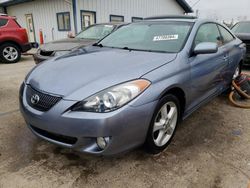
point(13, 40)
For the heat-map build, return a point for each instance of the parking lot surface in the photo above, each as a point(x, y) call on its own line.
point(210, 149)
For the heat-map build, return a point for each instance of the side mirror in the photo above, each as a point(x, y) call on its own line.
point(206, 48)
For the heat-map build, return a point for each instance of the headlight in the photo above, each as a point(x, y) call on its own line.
point(59, 53)
point(112, 98)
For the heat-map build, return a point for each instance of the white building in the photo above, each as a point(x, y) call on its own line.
point(56, 18)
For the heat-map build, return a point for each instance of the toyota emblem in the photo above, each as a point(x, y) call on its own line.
point(35, 99)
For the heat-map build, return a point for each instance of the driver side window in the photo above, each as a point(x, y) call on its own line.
point(208, 33)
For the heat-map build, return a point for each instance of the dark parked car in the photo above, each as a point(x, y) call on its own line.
point(133, 87)
point(242, 31)
point(13, 40)
point(89, 36)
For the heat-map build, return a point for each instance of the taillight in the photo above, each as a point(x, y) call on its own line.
point(24, 35)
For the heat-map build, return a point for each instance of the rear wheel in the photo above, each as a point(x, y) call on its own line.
point(10, 53)
point(163, 124)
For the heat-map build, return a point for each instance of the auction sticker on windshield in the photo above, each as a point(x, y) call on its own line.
point(165, 37)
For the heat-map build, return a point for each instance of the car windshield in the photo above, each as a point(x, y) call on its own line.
point(148, 36)
point(96, 32)
point(243, 27)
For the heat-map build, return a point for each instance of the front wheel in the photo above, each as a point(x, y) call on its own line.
point(9, 53)
point(163, 124)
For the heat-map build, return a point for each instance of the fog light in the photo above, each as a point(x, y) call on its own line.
point(101, 142)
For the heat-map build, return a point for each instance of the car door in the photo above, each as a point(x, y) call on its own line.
point(233, 48)
point(206, 69)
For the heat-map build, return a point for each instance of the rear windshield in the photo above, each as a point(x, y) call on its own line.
point(3, 22)
point(148, 36)
point(243, 27)
point(96, 32)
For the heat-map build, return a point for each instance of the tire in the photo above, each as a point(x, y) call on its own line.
point(10, 53)
point(158, 140)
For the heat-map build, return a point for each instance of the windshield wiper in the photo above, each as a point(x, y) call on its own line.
point(142, 50)
point(98, 44)
point(133, 49)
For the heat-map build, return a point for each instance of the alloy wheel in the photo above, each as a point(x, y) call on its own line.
point(165, 124)
point(10, 53)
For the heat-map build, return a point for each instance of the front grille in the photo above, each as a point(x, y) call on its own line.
point(46, 53)
point(56, 137)
point(41, 101)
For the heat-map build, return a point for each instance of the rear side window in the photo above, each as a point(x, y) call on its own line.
point(208, 33)
point(3, 22)
point(226, 35)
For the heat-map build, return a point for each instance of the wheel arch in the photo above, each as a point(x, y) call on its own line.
point(179, 93)
point(12, 42)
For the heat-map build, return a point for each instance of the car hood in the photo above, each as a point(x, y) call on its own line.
point(243, 36)
point(66, 44)
point(83, 74)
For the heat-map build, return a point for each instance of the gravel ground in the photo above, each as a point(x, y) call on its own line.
point(210, 149)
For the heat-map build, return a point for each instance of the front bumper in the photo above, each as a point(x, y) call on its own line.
point(126, 127)
point(26, 47)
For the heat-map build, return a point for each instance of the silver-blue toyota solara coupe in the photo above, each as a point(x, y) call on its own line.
point(133, 87)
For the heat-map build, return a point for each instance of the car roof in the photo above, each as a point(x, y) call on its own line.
point(6, 16)
point(186, 18)
point(179, 18)
point(112, 23)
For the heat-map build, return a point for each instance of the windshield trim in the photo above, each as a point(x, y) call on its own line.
point(154, 22)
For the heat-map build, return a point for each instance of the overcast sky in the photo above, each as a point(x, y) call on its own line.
point(222, 9)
